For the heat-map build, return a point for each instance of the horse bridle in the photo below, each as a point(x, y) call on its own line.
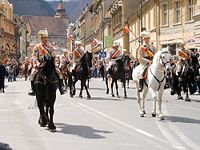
point(164, 64)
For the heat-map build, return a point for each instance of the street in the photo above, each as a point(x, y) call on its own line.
point(101, 123)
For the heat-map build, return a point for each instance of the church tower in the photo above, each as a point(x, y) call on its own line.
point(61, 13)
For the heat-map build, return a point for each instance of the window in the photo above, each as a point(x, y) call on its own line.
point(177, 12)
point(149, 21)
point(190, 10)
point(154, 18)
point(164, 14)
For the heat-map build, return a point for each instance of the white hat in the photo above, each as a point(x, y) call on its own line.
point(78, 43)
point(181, 42)
point(43, 33)
point(145, 34)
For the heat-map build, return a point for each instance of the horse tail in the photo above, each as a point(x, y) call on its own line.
point(109, 82)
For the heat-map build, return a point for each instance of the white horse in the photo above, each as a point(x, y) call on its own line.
point(155, 82)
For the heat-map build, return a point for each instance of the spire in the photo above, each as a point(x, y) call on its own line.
point(61, 12)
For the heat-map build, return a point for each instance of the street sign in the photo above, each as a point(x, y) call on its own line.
point(103, 54)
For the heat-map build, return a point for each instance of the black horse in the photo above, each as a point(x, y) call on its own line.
point(117, 73)
point(186, 81)
point(46, 84)
point(82, 73)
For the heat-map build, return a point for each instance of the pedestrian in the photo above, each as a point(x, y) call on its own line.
point(10, 72)
point(2, 76)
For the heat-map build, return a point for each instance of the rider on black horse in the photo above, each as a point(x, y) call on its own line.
point(42, 50)
point(183, 55)
point(114, 55)
point(78, 53)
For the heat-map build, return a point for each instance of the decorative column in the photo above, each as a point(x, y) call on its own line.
point(197, 25)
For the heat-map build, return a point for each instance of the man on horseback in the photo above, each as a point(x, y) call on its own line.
point(183, 55)
point(42, 50)
point(145, 56)
point(113, 55)
point(78, 53)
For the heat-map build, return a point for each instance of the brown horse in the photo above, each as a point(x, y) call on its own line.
point(25, 69)
point(66, 73)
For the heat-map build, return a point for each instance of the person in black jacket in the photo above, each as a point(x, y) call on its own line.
point(2, 76)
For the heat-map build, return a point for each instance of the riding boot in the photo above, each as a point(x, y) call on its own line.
point(32, 92)
point(141, 83)
point(61, 87)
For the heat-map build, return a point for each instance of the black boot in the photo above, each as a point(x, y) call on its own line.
point(141, 83)
point(32, 92)
point(61, 87)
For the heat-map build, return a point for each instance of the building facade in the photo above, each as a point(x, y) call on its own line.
point(7, 31)
point(168, 21)
point(56, 27)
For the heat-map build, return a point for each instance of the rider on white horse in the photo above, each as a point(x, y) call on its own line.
point(145, 56)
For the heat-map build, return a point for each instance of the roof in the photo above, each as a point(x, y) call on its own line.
point(55, 26)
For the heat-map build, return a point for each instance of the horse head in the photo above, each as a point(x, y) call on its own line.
point(163, 57)
point(49, 64)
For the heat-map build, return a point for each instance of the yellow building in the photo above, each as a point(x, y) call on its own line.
point(167, 20)
point(7, 25)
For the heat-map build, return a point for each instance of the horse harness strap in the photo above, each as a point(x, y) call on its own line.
point(160, 82)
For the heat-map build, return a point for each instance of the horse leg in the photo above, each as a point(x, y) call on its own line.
point(81, 91)
point(187, 99)
point(88, 83)
point(42, 119)
point(139, 99)
point(112, 93)
point(153, 94)
point(70, 84)
point(160, 94)
point(124, 84)
point(51, 124)
point(73, 84)
point(144, 94)
point(107, 90)
point(116, 86)
point(47, 113)
point(86, 88)
point(128, 83)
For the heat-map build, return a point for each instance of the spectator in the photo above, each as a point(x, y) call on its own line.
point(10, 72)
point(2, 76)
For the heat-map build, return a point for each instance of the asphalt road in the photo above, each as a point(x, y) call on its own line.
point(101, 123)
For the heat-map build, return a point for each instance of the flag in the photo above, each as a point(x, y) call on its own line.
point(126, 29)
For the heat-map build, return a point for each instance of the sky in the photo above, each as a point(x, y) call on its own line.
point(56, 0)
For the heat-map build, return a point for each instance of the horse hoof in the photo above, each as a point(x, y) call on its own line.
point(80, 96)
point(107, 92)
point(153, 115)
point(88, 96)
point(141, 115)
point(52, 130)
point(118, 96)
point(113, 95)
point(180, 97)
point(125, 96)
point(188, 100)
point(162, 118)
point(144, 112)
